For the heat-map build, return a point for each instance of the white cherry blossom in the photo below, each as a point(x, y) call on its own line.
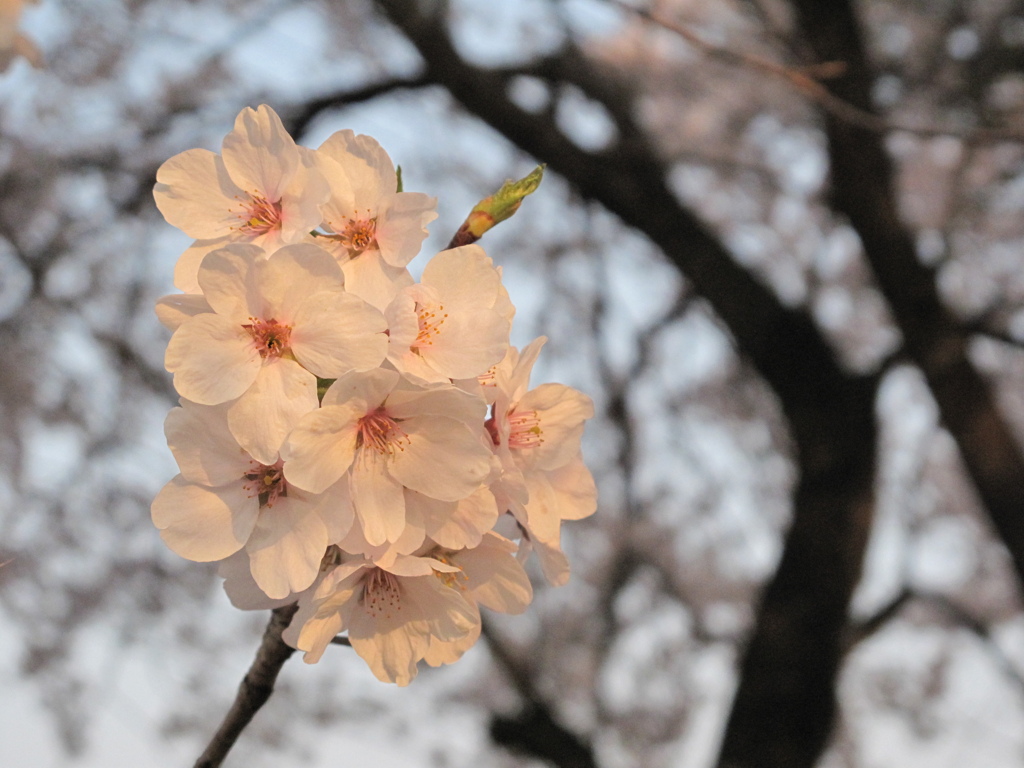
point(276, 325)
point(262, 188)
point(371, 228)
point(536, 435)
point(451, 325)
point(389, 434)
point(391, 614)
point(224, 500)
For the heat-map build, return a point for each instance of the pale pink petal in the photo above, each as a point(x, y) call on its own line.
point(262, 417)
point(370, 172)
point(553, 562)
point(464, 277)
point(213, 359)
point(195, 194)
point(516, 379)
point(228, 278)
point(186, 270)
point(293, 274)
point(206, 451)
point(443, 459)
point(368, 387)
point(315, 635)
point(449, 651)
point(467, 344)
point(341, 201)
point(378, 498)
point(456, 525)
point(321, 447)
point(447, 401)
point(302, 200)
point(412, 565)
point(259, 153)
point(402, 225)
point(543, 509)
point(373, 280)
point(416, 368)
point(496, 580)
point(448, 613)
point(503, 303)
point(403, 323)
point(335, 508)
point(573, 487)
point(204, 524)
point(173, 310)
point(240, 587)
point(562, 411)
point(335, 333)
point(286, 546)
point(390, 650)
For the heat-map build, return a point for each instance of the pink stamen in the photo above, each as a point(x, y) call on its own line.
point(430, 322)
point(358, 235)
point(524, 430)
point(381, 594)
point(377, 430)
point(265, 482)
point(270, 337)
point(259, 216)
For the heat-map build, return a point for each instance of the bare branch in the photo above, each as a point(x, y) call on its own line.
point(534, 730)
point(255, 689)
point(807, 81)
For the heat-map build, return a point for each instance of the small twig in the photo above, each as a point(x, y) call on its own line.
point(255, 689)
point(298, 122)
point(805, 80)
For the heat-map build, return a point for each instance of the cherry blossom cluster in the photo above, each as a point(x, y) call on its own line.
point(350, 438)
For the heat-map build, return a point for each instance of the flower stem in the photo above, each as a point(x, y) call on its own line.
point(255, 689)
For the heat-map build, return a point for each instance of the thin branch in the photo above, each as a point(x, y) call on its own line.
point(534, 730)
point(953, 612)
point(862, 630)
point(807, 81)
point(298, 122)
point(255, 689)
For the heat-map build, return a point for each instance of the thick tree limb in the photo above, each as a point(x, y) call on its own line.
point(255, 689)
point(789, 672)
point(862, 190)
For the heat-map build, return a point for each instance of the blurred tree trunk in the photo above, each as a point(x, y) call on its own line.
point(785, 703)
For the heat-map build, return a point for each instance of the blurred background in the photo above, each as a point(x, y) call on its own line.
point(779, 242)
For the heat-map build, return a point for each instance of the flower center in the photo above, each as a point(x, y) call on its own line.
point(358, 235)
point(524, 430)
point(269, 336)
point(377, 430)
point(451, 579)
point(381, 594)
point(259, 216)
point(430, 322)
point(266, 482)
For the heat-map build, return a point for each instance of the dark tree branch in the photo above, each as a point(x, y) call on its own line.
point(785, 703)
point(863, 191)
point(534, 730)
point(255, 689)
point(952, 611)
point(298, 122)
point(808, 80)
